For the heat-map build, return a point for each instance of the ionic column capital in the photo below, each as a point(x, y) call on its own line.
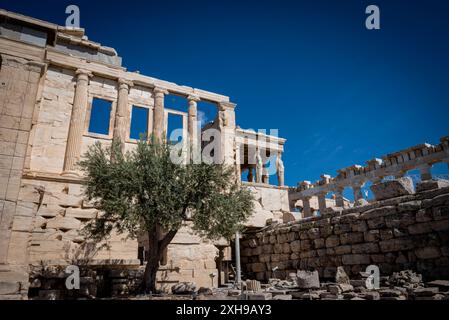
point(193, 98)
point(160, 91)
point(83, 73)
point(125, 84)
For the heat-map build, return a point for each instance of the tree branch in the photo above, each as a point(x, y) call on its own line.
point(167, 239)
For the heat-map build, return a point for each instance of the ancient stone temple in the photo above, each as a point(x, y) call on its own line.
point(61, 92)
point(53, 82)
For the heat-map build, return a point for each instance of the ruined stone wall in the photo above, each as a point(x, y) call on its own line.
point(408, 232)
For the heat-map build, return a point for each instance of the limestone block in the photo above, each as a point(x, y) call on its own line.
point(22, 223)
point(428, 253)
point(185, 235)
point(431, 185)
point(9, 287)
point(308, 279)
point(396, 245)
point(64, 223)
point(372, 236)
point(441, 213)
point(401, 220)
point(273, 199)
point(356, 259)
point(332, 241)
point(259, 217)
point(62, 199)
point(370, 247)
point(392, 189)
point(27, 209)
point(18, 245)
point(81, 214)
point(50, 211)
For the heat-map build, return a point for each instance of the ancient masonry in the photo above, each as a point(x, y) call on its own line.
point(49, 79)
point(52, 77)
point(401, 228)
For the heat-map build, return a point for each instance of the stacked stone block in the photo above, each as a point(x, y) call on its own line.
point(408, 232)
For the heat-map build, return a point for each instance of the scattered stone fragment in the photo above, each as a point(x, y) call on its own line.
point(308, 279)
point(282, 297)
point(371, 295)
point(259, 296)
point(426, 292)
point(341, 276)
point(205, 291)
point(183, 288)
point(442, 284)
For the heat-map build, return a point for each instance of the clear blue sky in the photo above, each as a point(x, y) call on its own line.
point(339, 93)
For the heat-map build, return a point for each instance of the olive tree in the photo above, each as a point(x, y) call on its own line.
point(143, 191)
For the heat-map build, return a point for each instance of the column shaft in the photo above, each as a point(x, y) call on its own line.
point(357, 193)
point(74, 139)
point(307, 211)
point(193, 129)
point(158, 115)
point(339, 201)
point(122, 113)
point(322, 202)
point(426, 173)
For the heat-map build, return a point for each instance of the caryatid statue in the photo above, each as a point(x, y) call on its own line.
point(259, 167)
point(280, 169)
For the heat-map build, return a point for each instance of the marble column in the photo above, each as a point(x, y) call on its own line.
point(238, 161)
point(339, 201)
point(158, 115)
point(306, 209)
point(322, 202)
point(194, 144)
point(357, 189)
point(426, 173)
point(121, 123)
point(77, 119)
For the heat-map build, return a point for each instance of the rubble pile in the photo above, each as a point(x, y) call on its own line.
point(305, 285)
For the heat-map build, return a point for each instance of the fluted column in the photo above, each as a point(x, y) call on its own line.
point(193, 129)
point(122, 114)
point(158, 115)
point(74, 139)
point(306, 209)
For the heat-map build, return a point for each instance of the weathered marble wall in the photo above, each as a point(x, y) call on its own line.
point(408, 232)
point(271, 203)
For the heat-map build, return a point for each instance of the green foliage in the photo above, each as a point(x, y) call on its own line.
point(144, 188)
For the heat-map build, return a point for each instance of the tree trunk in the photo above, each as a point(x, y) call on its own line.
point(157, 245)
